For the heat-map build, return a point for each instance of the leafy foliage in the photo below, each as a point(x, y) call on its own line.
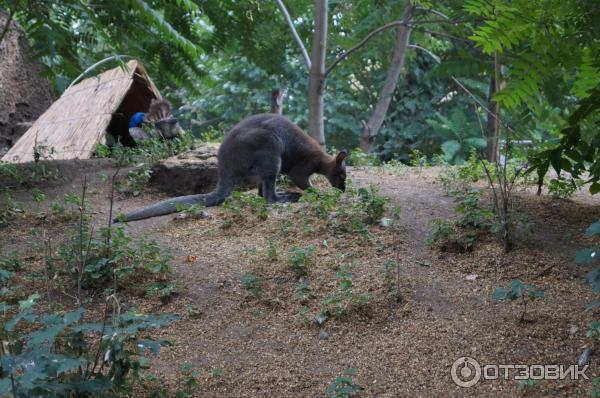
point(64, 356)
point(518, 290)
point(68, 36)
point(343, 386)
point(589, 256)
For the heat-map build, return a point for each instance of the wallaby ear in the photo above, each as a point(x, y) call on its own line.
point(341, 156)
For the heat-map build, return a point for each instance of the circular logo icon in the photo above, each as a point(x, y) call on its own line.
point(465, 372)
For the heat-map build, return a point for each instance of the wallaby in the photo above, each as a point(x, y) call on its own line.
point(261, 147)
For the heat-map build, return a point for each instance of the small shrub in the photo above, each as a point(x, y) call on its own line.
point(138, 265)
point(272, 250)
point(395, 167)
point(138, 178)
point(470, 212)
point(66, 352)
point(417, 159)
point(359, 158)
point(303, 292)
point(343, 386)
point(391, 279)
point(252, 285)
point(321, 203)
point(561, 188)
point(235, 206)
point(9, 264)
point(148, 151)
point(516, 290)
point(345, 298)
point(373, 204)
point(299, 259)
point(216, 373)
point(9, 208)
point(590, 255)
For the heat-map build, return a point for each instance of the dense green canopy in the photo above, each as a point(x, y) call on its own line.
point(218, 60)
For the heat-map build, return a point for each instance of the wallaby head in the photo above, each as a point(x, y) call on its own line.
point(336, 171)
point(160, 115)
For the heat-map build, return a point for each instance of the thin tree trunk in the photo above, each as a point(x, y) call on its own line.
point(493, 121)
point(316, 87)
point(290, 23)
point(371, 129)
point(491, 152)
point(277, 101)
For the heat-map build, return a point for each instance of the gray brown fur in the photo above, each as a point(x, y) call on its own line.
point(261, 147)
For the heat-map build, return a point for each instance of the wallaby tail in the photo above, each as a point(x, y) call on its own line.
point(169, 206)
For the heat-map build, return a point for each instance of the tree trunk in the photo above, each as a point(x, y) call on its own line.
point(316, 87)
point(371, 128)
point(277, 101)
point(491, 152)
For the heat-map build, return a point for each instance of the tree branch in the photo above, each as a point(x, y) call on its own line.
point(436, 12)
point(290, 24)
point(442, 34)
point(361, 43)
point(450, 21)
point(432, 55)
point(466, 90)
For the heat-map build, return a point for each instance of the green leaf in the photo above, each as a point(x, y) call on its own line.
point(476, 142)
point(499, 294)
point(26, 315)
point(5, 386)
point(587, 256)
point(593, 229)
point(73, 316)
point(47, 335)
point(65, 363)
point(450, 149)
point(28, 302)
point(593, 304)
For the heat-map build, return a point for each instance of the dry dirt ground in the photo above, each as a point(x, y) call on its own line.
point(269, 346)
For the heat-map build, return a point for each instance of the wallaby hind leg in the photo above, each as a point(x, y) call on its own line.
point(289, 196)
point(268, 192)
point(282, 196)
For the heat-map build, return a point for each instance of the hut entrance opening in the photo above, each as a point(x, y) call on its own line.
point(137, 99)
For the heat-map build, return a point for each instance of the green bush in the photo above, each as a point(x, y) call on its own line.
point(252, 284)
point(235, 206)
point(148, 151)
point(300, 258)
point(343, 386)
point(561, 188)
point(60, 355)
point(518, 290)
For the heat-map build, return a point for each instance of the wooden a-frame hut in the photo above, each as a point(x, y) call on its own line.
point(82, 116)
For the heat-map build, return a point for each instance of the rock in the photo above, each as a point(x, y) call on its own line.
point(385, 222)
point(585, 356)
point(573, 330)
point(25, 93)
point(194, 171)
point(191, 172)
point(323, 335)
point(197, 215)
point(320, 320)
point(471, 277)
